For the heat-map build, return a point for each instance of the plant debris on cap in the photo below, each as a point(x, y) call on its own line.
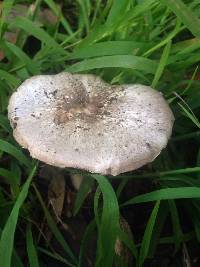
point(79, 121)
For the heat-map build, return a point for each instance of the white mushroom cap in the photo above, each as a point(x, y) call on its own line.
point(80, 121)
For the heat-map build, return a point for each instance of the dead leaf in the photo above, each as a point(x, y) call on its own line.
point(46, 16)
point(76, 180)
point(120, 249)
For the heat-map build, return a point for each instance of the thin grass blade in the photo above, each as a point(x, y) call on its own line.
point(7, 236)
point(10, 79)
point(52, 225)
point(32, 66)
point(82, 193)
point(130, 62)
point(31, 28)
point(175, 224)
point(185, 14)
point(31, 250)
point(6, 7)
point(109, 48)
point(88, 234)
point(15, 152)
point(162, 64)
point(109, 223)
point(148, 235)
point(58, 13)
point(166, 194)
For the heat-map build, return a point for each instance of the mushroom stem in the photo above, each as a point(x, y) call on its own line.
point(76, 180)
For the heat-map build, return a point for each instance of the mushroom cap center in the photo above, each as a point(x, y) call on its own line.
point(83, 105)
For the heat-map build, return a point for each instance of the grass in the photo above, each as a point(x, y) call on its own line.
point(151, 42)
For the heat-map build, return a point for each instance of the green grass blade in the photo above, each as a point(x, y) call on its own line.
point(184, 45)
point(9, 176)
point(166, 40)
point(109, 223)
point(121, 187)
point(118, 8)
point(129, 242)
point(31, 28)
point(194, 218)
point(109, 48)
point(88, 234)
point(95, 35)
point(16, 261)
point(148, 234)
point(58, 13)
point(185, 238)
point(4, 123)
point(5, 9)
point(175, 224)
point(181, 171)
point(158, 227)
point(82, 193)
point(162, 173)
point(7, 236)
point(162, 64)
point(96, 206)
point(184, 13)
point(31, 250)
point(184, 180)
point(190, 115)
point(3, 100)
point(166, 194)
point(52, 225)
point(15, 152)
point(107, 7)
point(198, 159)
point(56, 256)
point(32, 66)
point(101, 31)
point(139, 9)
point(96, 11)
point(10, 79)
point(130, 62)
point(84, 14)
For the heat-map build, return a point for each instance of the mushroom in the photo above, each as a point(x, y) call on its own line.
point(80, 121)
